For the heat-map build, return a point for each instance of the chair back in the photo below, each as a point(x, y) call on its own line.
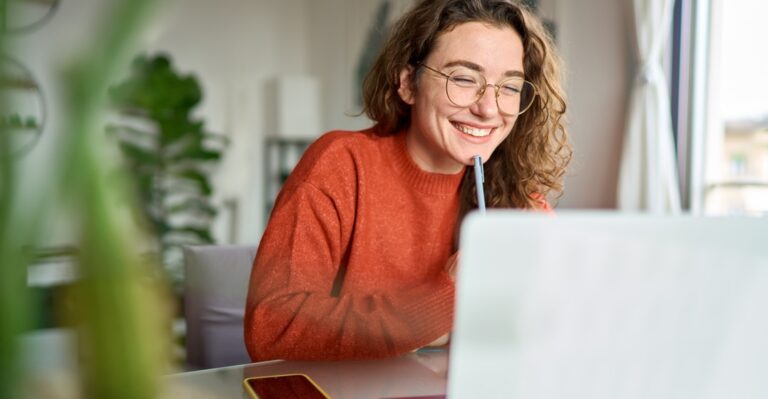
point(215, 289)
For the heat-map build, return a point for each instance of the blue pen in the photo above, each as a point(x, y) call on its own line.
point(479, 179)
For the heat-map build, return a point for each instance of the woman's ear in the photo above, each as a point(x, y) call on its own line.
point(405, 90)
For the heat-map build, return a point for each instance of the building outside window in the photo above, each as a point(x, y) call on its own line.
point(735, 114)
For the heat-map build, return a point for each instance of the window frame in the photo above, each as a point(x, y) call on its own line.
point(690, 75)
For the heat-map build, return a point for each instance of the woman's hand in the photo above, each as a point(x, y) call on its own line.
point(452, 265)
point(442, 341)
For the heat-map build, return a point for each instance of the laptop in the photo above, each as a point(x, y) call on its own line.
point(609, 305)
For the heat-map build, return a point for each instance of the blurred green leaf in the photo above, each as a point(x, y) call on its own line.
point(30, 122)
point(197, 178)
point(15, 120)
point(139, 154)
point(202, 234)
point(119, 312)
point(130, 131)
point(198, 154)
point(193, 205)
point(154, 86)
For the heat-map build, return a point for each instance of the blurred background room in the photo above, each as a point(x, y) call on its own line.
point(191, 113)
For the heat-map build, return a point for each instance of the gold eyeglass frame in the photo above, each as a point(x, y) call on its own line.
point(481, 91)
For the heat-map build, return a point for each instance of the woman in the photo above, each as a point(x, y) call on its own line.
point(359, 255)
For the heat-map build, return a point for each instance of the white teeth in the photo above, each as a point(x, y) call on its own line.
point(473, 131)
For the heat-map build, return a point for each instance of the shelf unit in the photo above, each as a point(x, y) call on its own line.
point(280, 157)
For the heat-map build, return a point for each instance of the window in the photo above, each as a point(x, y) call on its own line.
point(729, 112)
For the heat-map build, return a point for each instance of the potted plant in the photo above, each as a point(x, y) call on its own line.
point(169, 154)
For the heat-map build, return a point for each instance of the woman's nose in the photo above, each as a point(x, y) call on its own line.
point(486, 105)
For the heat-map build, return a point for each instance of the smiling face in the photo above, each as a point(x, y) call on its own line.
point(443, 137)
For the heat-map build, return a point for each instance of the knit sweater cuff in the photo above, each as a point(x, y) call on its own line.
point(431, 315)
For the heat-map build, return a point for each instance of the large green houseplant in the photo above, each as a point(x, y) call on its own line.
point(168, 152)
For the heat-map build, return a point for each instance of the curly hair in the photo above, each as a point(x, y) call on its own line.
point(530, 163)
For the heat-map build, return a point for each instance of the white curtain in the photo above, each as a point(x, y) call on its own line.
point(648, 179)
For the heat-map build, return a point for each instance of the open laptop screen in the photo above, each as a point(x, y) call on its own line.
point(609, 305)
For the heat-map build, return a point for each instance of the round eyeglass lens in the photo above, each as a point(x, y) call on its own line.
point(513, 96)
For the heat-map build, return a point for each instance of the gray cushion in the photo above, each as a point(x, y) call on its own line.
point(215, 287)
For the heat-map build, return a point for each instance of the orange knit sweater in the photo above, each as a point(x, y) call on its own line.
point(351, 264)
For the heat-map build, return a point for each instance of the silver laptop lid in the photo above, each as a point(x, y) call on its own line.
point(608, 305)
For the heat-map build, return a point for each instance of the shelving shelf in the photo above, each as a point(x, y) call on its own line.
point(280, 157)
point(18, 84)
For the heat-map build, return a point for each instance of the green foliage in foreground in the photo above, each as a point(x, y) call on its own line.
point(119, 307)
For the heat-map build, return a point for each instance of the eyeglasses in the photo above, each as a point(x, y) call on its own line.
point(465, 87)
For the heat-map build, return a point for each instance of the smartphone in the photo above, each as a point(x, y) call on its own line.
point(286, 386)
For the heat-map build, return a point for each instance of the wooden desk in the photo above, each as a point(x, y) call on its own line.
point(416, 374)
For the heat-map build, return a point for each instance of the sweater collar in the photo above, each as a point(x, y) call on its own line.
point(426, 182)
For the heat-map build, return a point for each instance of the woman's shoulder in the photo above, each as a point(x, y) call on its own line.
point(345, 140)
point(339, 146)
point(340, 153)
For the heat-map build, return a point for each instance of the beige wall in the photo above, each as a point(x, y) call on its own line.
point(595, 38)
point(338, 30)
point(237, 47)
